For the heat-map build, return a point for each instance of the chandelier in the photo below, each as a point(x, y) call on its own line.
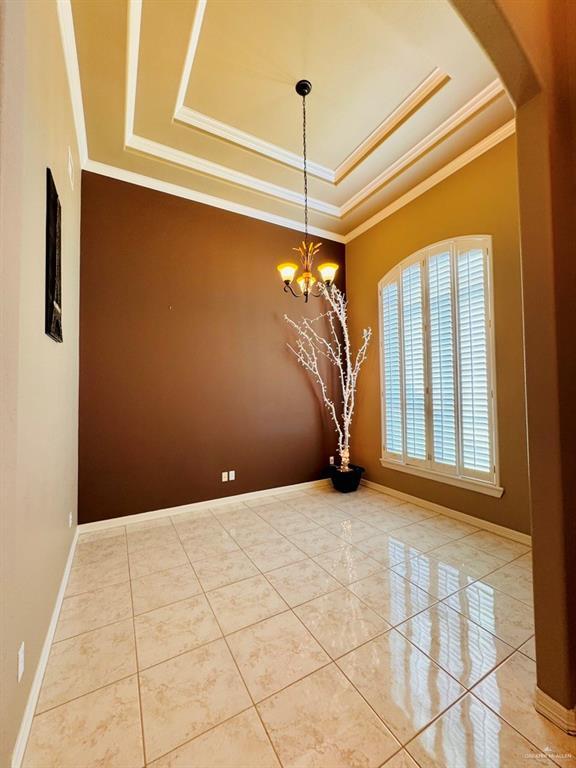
point(307, 249)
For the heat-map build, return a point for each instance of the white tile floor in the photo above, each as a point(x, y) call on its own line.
point(305, 630)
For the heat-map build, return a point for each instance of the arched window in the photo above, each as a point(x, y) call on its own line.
point(437, 364)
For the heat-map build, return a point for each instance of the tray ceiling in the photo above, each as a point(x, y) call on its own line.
point(199, 96)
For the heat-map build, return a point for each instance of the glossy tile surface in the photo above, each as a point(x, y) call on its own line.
point(509, 691)
point(300, 582)
point(469, 735)
point(433, 575)
point(274, 554)
point(164, 587)
point(529, 648)
point(224, 569)
point(90, 610)
point(301, 629)
point(156, 558)
point(513, 580)
point(391, 596)
point(506, 549)
point(348, 564)
point(340, 621)
point(240, 742)
point(275, 653)
point(185, 696)
point(469, 559)
point(403, 686)
point(504, 616)
point(245, 602)
point(100, 729)
point(86, 662)
point(459, 646)
point(174, 629)
point(401, 760)
point(322, 722)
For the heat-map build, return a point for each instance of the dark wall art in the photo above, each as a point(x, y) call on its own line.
point(53, 319)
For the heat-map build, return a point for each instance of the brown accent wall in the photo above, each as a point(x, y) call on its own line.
point(479, 199)
point(184, 370)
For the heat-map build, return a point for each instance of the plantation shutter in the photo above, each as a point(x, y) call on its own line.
point(393, 438)
point(437, 375)
point(473, 357)
point(441, 336)
point(413, 354)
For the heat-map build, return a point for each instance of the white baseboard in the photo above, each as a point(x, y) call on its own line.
point(28, 716)
point(200, 505)
point(559, 715)
point(500, 530)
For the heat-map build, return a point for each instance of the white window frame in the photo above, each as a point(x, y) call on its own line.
point(488, 483)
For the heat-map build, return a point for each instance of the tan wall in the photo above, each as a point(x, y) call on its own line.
point(184, 370)
point(39, 401)
point(479, 199)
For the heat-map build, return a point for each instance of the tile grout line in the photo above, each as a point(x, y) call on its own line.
point(238, 669)
point(341, 586)
point(141, 711)
point(511, 725)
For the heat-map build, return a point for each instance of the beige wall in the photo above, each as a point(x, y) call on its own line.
point(39, 390)
point(479, 199)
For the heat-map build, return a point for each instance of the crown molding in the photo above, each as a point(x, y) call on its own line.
point(185, 159)
point(476, 104)
point(435, 80)
point(502, 133)
point(248, 141)
point(190, 53)
point(208, 168)
point(132, 54)
point(120, 174)
point(174, 156)
point(68, 39)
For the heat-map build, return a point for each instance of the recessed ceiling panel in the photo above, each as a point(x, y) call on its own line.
point(197, 98)
point(250, 54)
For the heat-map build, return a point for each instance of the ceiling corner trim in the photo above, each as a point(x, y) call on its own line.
point(68, 39)
point(208, 168)
point(177, 156)
point(474, 105)
point(432, 83)
point(190, 54)
point(247, 140)
point(502, 133)
point(132, 53)
point(121, 174)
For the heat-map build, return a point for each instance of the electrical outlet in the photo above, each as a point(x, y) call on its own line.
point(21, 655)
point(232, 474)
point(224, 477)
point(70, 520)
point(331, 459)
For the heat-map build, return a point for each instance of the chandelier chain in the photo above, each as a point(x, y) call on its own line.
point(305, 170)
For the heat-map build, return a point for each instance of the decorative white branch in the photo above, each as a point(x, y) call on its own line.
point(336, 349)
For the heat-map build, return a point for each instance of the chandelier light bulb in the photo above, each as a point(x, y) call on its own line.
point(328, 272)
point(287, 271)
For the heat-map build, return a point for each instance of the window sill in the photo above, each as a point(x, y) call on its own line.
point(471, 485)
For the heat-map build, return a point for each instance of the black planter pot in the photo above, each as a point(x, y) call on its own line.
point(346, 482)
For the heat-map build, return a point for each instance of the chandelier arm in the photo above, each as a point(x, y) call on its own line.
point(288, 289)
